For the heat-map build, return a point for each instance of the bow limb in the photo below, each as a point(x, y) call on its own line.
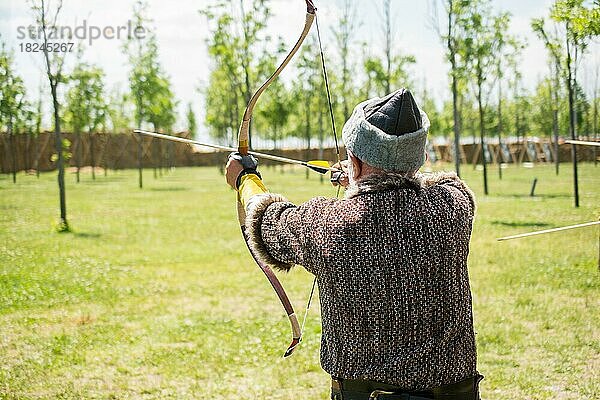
point(277, 286)
point(243, 149)
point(243, 135)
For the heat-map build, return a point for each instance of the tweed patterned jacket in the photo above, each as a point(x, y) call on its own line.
point(391, 263)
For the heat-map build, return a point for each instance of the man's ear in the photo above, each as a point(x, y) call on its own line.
point(357, 165)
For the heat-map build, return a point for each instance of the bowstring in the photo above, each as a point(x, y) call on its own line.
point(337, 149)
point(326, 79)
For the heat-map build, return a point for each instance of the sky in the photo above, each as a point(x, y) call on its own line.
point(182, 35)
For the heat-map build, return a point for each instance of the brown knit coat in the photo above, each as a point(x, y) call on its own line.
point(391, 263)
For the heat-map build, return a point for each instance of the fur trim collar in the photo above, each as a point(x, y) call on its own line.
point(394, 181)
point(382, 183)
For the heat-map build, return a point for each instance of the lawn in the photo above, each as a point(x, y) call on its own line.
point(154, 296)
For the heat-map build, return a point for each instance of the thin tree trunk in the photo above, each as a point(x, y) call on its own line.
point(104, 160)
point(140, 161)
point(93, 154)
point(161, 158)
point(79, 152)
point(54, 80)
point(154, 162)
point(38, 128)
point(500, 126)
point(36, 147)
point(572, 122)
point(27, 166)
point(320, 124)
point(388, 45)
point(482, 138)
point(60, 161)
point(246, 68)
point(555, 118)
point(455, 111)
point(307, 132)
point(518, 123)
point(595, 122)
point(11, 136)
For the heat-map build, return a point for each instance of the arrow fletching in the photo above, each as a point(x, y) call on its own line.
point(320, 166)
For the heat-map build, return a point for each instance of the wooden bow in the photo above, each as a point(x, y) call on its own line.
point(243, 149)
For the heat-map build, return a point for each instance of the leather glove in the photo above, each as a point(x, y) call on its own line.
point(249, 165)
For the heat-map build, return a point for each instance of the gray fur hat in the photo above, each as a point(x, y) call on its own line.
point(389, 133)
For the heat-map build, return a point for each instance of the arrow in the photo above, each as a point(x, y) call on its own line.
point(583, 143)
point(320, 166)
point(564, 228)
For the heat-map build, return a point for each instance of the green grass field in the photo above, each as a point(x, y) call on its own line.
point(154, 296)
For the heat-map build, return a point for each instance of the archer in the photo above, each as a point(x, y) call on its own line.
point(390, 259)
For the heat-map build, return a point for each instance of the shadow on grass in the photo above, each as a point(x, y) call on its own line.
point(105, 180)
point(516, 224)
point(86, 235)
point(169, 189)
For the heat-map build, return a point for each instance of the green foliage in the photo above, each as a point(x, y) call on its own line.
point(239, 57)
point(308, 106)
point(438, 125)
point(14, 112)
point(119, 111)
point(484, 36)
point(380, 80)
point(191, 120)
point(387, 72)
point(66, 147)
point(455, 37)
point(583, 21)
point(276, 105)
point(86, 108)
point(150, 87)
point(345, 86)
point(578, 24)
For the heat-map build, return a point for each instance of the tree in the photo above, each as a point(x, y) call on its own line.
point(309, 99)
point(13, 107)
point(508, 50)
point(343, 35)
point(37, 129)
point(596, 98)
point(86, 108)
point(253, 24)
point(191, 121)
point(436, 119)
point(481, 46)
point(275, 109)
point(453, 37)
point(390, 72)
point(555, 50)
point(119, 111)
point(306, 96)
point(150, 86)
point(542, 110)
point(46, 16)
point(580, 24)
point(236, 64)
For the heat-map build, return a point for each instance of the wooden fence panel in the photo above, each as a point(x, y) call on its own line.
point(120, 151)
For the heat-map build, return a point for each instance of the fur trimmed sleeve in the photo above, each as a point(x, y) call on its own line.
point(282, 234)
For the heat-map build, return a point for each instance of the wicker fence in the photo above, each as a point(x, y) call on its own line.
point(121, 151)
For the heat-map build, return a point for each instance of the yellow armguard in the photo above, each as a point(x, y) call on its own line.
point(250, 185)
